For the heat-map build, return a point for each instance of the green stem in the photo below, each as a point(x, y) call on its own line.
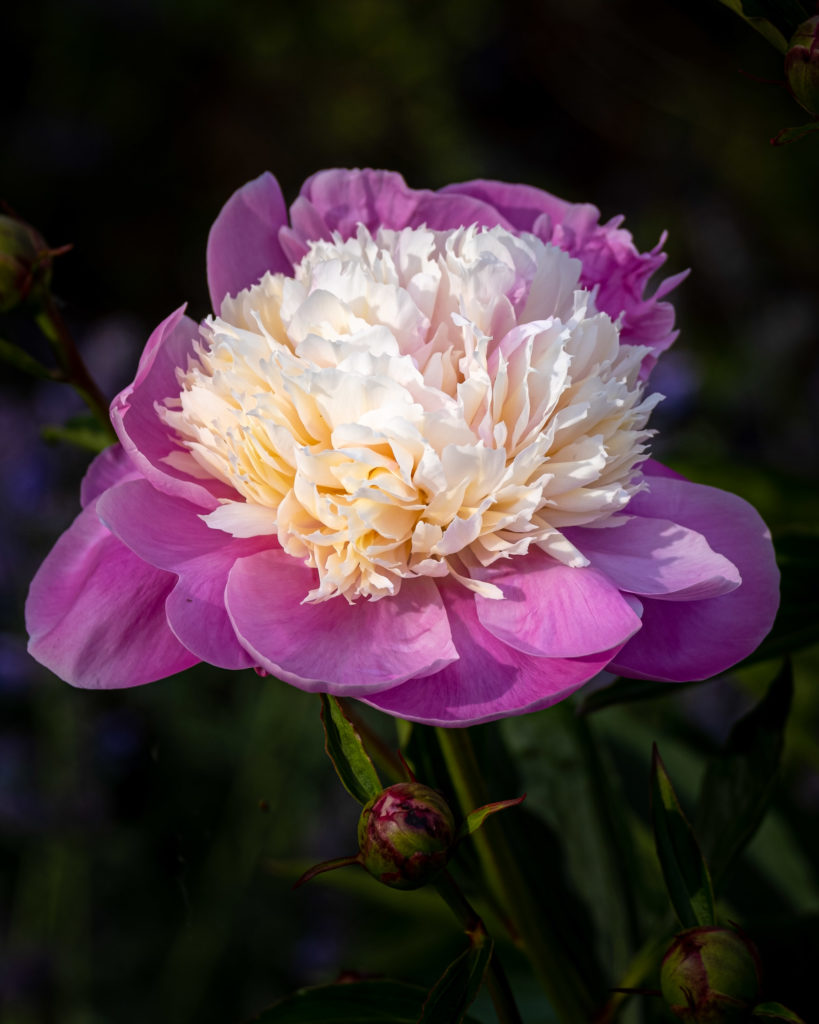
point(496, 981)
point(557, 975)
point(74, 371)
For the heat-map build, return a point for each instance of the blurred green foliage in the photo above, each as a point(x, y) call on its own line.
point(149, 838)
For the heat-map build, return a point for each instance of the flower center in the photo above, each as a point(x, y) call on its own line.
point(415, 403)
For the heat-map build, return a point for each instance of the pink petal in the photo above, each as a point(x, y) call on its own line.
point(110, 467)
point(243, 243)
point(658, 558)
point(145, 438)
point(520, 205)
point(489, 680)
point(339, 200)
point(690, 640)
point(168, 533)
point(551, 610)
point(96, 613)
point(334, 646)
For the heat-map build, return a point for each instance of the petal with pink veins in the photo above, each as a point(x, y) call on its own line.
point(146, 439)
point(243, 243)
point(490, 680)
point(657, 558)
point(96, 612)
point(346, 649)
point(551, 610)
point(169, 533)
point(689, 640)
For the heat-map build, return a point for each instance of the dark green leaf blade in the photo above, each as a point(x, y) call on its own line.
point(11, 353)
point(345, 749)
point(786, 135)
point(684, 868)
point(739, 782)
point(380, 1001)
point(775, 1011)
point(456, 989)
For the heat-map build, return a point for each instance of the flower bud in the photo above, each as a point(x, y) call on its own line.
point(802, 65)
point(405, 835)
point(710, 975)
point(25, 263)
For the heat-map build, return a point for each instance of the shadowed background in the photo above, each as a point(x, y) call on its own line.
point(135, 859)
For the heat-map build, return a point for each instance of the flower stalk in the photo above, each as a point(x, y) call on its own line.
point(496, 981)
point(557, 976)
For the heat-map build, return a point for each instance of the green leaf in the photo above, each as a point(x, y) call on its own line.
point(473, 821)
point(775, 1011)
point(358, 1002)
point(782, 138)
point(345, 749)
point(626, 691)
point(776, 20)
point(739, 782)
point(458, 986)
point(685, 871)
point(11, 353)
point(82, 431)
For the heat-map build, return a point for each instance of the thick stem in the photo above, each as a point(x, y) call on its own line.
point(74, 371)
point(557, 975)
point(496, 981)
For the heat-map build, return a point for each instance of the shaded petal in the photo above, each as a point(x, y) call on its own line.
point(689, 640)
point(243, 243)
point(146, 439)
point(555, 611)
point(335, 646)
point(339, 200)
point(658, 558)
point(169, 533)
point(96, 612)
point(490, 680)
point(110, 467)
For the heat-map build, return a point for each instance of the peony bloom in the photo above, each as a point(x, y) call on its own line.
point(406, 461)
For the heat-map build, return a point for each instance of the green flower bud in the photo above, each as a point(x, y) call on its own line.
point(710, 975)
point(802, 65)
point(25, 263)
point(405, 835)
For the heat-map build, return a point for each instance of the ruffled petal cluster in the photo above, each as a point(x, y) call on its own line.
point(406, 460)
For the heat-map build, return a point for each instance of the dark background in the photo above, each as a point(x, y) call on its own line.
point(136, 874)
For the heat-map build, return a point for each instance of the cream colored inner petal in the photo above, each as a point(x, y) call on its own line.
point(414, 403)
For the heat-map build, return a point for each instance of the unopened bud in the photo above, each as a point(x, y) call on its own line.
point(405, 835)
point(802, 65)
point(710, 975)
point(25, 263)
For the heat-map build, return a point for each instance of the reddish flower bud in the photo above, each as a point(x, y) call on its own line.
point(710, 975)
point(802, 65)
point(405, 835)
point(25, 263)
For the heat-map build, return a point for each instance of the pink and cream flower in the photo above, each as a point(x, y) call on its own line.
point(407, 461)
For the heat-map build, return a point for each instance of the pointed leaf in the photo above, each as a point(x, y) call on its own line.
point(775, 1011)
point(345, 749)
point(82, 431)
point(684, 869)
point(358, 1002)
point(739, 782)
point(458, 986)
point(787, 135)
point(11, 353)
point(473, 821)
